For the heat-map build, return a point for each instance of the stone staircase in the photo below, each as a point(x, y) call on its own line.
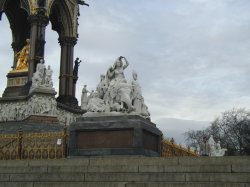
point(127, 172)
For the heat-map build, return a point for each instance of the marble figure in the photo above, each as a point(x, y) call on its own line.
point(84, 98)
point(115, 94)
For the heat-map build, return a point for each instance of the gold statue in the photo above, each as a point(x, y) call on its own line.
point(22, 57)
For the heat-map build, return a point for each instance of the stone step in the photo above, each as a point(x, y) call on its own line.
point(119, 184)
point(127, 172)
point(156, 161)
point(128, 169)
point(169, 177)
point(169, 161)
point(126, 177)
point(187, 185)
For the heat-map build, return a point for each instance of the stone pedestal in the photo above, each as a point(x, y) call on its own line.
point(43, 91)
point(16, 84)
point(32, 124)
point(43, 119)
point(114, 135)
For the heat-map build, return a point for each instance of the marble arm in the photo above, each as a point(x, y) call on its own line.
point(110, 73)
point(127, 64)
point(81, 2)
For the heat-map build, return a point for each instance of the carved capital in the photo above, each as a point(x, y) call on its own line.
point(67, 40)
point(38, 20)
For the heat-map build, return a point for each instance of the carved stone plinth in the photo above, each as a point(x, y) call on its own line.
point(39, 106)
point(16, 84)
point(114, 135)
point(12, 127)
point(44, 91)
point(44, 119)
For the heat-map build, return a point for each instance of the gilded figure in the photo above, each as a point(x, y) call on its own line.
point(22, 57)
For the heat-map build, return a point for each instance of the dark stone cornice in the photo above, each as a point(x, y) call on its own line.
point(38, 20)
point(66, 40)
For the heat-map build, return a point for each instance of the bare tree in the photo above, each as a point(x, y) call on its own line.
point(194, 138)
point(232, 129)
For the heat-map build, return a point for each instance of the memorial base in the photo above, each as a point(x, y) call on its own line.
point(114, 135)
point(17, 84)
point(32, 124)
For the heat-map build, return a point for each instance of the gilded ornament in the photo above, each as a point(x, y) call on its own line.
point(22, 57)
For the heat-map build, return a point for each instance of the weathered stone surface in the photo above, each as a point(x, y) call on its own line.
point(47, 177)
point(11, 163)
point(213, 160)
point(62, 162)
point(79, 184)
point(67, 169)
point(241, 168)
point(119, 184)
point(134, 161)
point(23, 169)
point(4, 177)
point(159, 184)
point(14, 127)
point(185, 168)
point(17, 184)
point(92, 169)
point(218, 177)
point(125, 172)
point(15, 90)
point(42, 119)
point(110, 169)
point(114, 135)
point(168, 177)
point(231, 177)
point(197, 177)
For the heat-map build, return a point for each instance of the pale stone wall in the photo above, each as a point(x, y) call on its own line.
point(128, 172)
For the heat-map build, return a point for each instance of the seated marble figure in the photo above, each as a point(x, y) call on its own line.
point(42, 78)
point(115, 94)
point(211, 148)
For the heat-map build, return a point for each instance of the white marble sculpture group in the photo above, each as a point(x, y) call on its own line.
point(36, 105)
point(211, 148)
point(41, 101)
point(115, 94)
point(42, 78)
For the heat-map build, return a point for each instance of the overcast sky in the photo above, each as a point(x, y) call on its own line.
point(192, 56)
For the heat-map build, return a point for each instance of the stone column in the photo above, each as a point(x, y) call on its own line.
point(74, 85)
point(37, 41)
point(66, 87)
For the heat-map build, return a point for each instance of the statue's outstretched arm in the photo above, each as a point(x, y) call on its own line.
point(127, 64)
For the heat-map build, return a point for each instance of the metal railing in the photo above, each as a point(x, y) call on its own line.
point(47, 145)
point(170, 149)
